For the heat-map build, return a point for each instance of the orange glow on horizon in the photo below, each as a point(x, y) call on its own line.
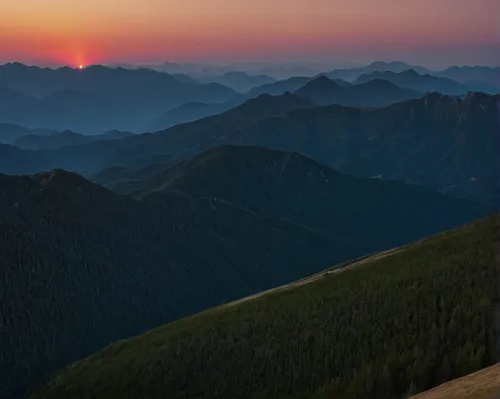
point(103, 31)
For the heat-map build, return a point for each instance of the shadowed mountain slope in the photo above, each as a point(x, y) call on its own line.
point(290, 186)
point(378, 92)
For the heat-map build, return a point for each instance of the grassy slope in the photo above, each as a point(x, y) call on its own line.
point(484, 384)
point(396, 325)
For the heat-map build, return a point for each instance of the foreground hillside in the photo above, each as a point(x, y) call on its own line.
point(386, 327)
point(484, 384)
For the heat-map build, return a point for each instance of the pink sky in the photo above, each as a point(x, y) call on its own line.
point(435, 33)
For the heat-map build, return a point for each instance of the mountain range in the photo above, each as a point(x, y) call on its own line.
point(410, 79)
point(96, 98)
point(321, 90)
point(100, 98)
point(482, 76)
point(387, 142)
point(374, 93)
point(64, 139)
point(10, 132)
point(466, 74)
point(372, 89)
point(237, 80)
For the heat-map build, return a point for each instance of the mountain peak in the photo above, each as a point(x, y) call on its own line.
point(59, 177)
point(410, 71)
point(67, 183)
point(322, 79)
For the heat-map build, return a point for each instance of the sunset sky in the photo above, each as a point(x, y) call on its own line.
point(434, 33)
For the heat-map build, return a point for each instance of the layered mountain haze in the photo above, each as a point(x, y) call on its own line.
point(378, 92)
point(351, 74)
point(189, 112)
point(426, 83)
point(386, 142)
point(96, 98)
point(280, 87)
point(322, 90)
point(65, 139)
point(13, 160)
point(10, 132)
point(466, 74)
point(239, 81)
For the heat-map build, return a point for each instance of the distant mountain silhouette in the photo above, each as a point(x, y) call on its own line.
point(279, 87)
point(422, 83)
point(10, 132)
point(390, 142)
point(352, 74)
point(281, 70)
point(23, 137)
point(19, 108)
point(239, 81)
point(96, 98)
point(395, 66)
point(193, 111)
point(102, 267)
point(13, 160)
point(475, 74)
point(184, 78)
point(63, 139)
point(378, 92)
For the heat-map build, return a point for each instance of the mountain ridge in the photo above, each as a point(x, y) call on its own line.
point(374, 93)
point(388, 142)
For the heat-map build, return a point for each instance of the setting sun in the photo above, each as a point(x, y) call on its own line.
point(80, 67)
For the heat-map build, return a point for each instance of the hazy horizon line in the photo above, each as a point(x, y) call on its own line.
point(251, 63)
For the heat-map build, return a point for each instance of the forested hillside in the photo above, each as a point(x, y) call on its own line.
point(382, 328)
point(81, 267)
